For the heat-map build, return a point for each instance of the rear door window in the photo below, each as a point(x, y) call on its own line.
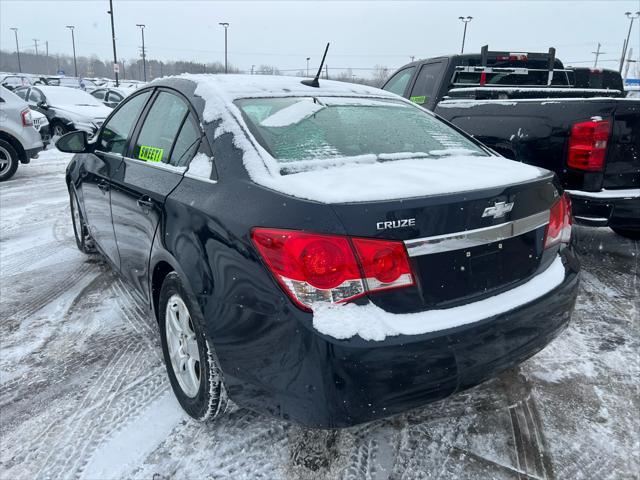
point(114, 97)
point(398, 83)
point(99, 94)
point(115, 133)
point(21, 92)
point(187, 143)
point(35, 96)
point(160, 128)
point(426, 82)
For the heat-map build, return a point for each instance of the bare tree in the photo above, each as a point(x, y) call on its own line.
point(268, 70)
point(380, 75)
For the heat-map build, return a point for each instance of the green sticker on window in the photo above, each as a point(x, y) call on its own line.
point(150, 154)
point(419, 99)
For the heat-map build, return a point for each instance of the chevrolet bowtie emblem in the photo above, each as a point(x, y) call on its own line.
point(499, 209)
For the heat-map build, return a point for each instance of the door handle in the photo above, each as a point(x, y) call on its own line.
point(145, 203)
point(104, 186)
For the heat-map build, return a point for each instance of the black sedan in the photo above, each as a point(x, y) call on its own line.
point(65, 108)
point(329, 255)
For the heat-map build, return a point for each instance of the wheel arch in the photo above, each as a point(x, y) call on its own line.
point(160, 271)
point(161, 263)
point(15, 143)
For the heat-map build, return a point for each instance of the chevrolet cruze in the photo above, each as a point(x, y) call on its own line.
point(326, 254)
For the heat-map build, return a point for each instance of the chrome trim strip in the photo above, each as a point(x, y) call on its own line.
point(473, 238)
point(622, 194)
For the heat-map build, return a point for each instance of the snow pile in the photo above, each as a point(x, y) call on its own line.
point(372, 323)
point(363, 180)
point(409, 178)
point(200, 166)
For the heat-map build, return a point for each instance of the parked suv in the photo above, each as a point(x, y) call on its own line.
point(19, 140)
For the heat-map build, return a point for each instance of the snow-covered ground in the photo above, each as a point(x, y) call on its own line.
point(84, 392)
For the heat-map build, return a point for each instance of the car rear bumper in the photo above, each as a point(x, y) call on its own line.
point(31, 153)
point(286, 368)
point(607, 208)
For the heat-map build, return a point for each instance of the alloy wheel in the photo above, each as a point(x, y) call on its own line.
point(183, 346)
point(5, 159)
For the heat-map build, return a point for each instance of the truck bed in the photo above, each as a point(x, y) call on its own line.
point(536, 131)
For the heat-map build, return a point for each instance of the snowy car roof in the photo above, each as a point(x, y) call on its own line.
point(250, 86)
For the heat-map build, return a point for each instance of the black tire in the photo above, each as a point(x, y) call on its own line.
point(8, 161)
point(628, 233)
point(83, 239)
point(58, 129)
point(211, 400)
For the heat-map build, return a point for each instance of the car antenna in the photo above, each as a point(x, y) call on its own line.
point(315, 83)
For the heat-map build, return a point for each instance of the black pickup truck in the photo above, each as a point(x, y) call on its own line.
point(528, 107)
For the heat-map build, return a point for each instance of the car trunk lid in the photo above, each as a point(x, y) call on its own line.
point(462, 246)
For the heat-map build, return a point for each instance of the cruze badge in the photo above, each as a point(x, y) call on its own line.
point(499, 209)
point(405, 222)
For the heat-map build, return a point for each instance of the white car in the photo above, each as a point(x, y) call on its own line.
point(67, 109)
point(41, 124)
point(19, 140)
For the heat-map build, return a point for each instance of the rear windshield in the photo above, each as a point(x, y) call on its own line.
point(511, 78)
point(327, 128)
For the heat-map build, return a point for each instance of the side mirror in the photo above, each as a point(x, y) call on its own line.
point(73, 142)
point(43, 105)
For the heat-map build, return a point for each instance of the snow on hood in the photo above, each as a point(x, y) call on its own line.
point(92, 112)
point(364, 179)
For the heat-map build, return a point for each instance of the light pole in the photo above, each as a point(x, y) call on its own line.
point(308, 58)
point(15, 30)
point(73, 42)
point(35, 41)
point(464, 20)
point(631, 17)
point(144, 55)
point(597, 53)
point(113, 39)
point(226, 26)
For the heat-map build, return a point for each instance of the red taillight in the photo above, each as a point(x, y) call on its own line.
point(588, 145)
point(559, 228)
point(314, 268)
point(25, 115)
point(514, 57)
point(384, 263)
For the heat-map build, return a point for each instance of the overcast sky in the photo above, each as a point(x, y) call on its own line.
point(362, 33)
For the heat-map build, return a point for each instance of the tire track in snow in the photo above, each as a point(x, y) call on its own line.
point(26, 260)
point(64, 431)
point(135, 313)
point(532, 457)
point(40, 298)
point(121, 396)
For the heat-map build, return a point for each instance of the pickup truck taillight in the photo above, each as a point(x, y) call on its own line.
point(315, 268)
point(559, 228)
point(27, 121)
point(588, 145)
